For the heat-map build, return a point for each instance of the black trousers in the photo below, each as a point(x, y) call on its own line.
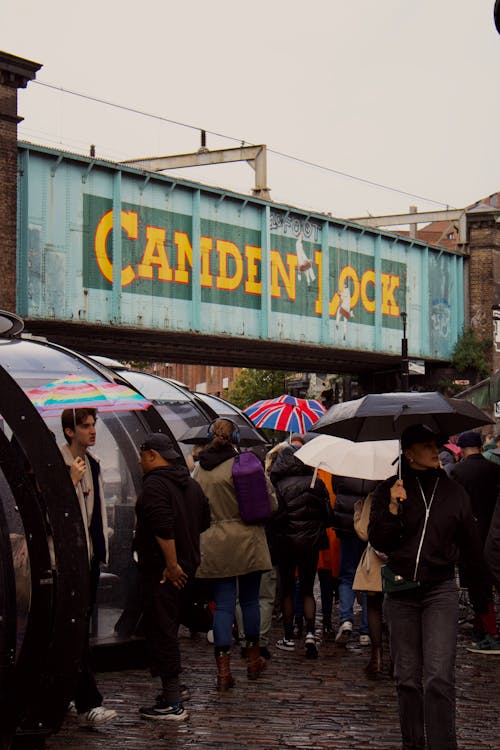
point(87, 695)
point(306, 562)
point(161, 611)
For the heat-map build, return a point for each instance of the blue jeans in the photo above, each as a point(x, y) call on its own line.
point(351, 549)
point(225, 604)
point(267, 597)
point(423, 638)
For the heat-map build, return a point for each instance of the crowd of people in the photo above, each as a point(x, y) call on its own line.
point(438, 515)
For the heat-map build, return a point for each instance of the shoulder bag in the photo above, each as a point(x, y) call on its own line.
point(368, 576)
point(392, 582)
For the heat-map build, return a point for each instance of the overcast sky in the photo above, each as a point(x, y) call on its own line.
point(404, 93)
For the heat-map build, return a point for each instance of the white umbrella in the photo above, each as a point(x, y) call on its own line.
point(373, 459)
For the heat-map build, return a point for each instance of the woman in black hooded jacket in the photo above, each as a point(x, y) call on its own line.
point(298, 531)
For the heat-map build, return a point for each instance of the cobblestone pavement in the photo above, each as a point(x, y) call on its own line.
point(296, 704)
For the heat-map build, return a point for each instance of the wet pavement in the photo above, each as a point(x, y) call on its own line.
point(297, 704)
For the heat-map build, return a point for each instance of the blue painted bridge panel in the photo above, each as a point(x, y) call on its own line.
point(107, 244)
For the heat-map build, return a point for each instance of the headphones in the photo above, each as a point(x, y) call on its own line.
point(235, 435)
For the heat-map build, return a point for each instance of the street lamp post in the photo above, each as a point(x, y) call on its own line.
point(405, 375)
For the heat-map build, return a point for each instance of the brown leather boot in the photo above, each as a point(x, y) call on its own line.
point(374, 667)
point(255, 662)
point(224, 676)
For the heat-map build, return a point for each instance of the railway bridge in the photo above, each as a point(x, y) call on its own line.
point(112, 259)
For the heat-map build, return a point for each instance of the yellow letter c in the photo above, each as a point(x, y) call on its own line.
point(130, 224)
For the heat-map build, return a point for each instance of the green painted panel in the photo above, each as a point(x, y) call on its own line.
point(157, 259)
point(149, 246)
point(326, 281)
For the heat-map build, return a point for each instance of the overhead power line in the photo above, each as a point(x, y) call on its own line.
point(358, 179)
point(134, 111)
point(242, 141)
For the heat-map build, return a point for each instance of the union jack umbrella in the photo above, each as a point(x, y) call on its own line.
point(285, 413)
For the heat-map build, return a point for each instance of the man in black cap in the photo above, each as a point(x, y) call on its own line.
point(171, 514)
point(481, 480)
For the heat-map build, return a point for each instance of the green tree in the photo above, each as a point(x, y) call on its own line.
point(252, 385)
point(470, 353)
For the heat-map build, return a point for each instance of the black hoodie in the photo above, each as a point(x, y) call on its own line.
point(171, 506)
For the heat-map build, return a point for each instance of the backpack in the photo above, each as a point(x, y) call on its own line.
point(250, 484)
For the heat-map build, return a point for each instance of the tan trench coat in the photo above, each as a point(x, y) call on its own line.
point(229, 547)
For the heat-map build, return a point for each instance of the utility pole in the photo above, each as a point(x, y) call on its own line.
point(405, 375)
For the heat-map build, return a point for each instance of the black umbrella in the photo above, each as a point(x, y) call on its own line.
point(384, 416)
point(199, 436)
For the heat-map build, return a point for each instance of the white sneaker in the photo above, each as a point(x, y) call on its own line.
point(96, 716)
point(311, 646)
point(344, 633)
point(286, 644)
point(365, 640)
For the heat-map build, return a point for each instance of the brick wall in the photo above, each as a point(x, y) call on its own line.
point(194, 375)
point(484, 276)
point(15, 72)
point(8, 196)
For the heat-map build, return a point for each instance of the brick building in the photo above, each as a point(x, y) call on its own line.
point(482, 243)
point(483, 223)
point(204, 378)
point(15, 73)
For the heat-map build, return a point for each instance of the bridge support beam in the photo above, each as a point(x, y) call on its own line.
point(256, 156)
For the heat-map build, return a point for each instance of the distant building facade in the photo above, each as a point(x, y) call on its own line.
point(482, 304)
point(203, 378)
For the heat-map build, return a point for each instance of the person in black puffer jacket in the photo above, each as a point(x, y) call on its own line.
point(299, 533)
point(347, 491)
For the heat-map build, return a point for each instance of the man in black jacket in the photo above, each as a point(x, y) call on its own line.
point(481, 480)
point(171, 514)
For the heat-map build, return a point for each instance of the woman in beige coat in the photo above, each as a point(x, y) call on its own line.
point(233, 554)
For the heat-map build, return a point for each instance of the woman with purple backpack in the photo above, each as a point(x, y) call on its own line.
point(233, 553)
